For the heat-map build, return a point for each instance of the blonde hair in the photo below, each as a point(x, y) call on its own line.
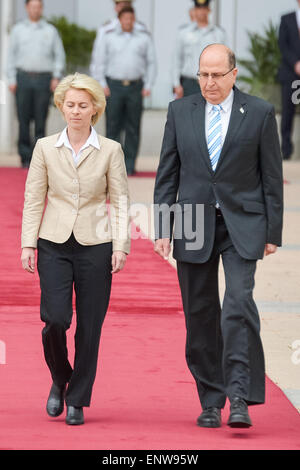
point(80, 81)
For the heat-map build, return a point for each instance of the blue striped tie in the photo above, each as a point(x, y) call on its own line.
point(214, 140)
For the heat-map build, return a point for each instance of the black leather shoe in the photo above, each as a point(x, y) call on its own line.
point(74, 415)
point(210, 418)
point(55, 402)
point(239, 417)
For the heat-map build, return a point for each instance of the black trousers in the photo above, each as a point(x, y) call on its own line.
point(123, 115)
point(87, 269)
point(223, 347)
point(32, 99)
point(287, 119)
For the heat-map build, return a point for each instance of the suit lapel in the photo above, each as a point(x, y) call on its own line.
point(238, 114)
point(294, 26)
point(198, 118)
point(86, 152)
point(68, 156)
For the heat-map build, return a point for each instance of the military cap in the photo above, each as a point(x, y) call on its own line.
point(202, 3)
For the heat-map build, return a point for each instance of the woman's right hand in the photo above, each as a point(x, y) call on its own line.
point(28, 259)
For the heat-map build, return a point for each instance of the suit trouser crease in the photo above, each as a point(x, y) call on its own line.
point(88, 269)
point(223, 346)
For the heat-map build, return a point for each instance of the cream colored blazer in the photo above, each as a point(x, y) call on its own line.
point(75, 198)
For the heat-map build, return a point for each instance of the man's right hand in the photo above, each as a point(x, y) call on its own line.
point(163, 247)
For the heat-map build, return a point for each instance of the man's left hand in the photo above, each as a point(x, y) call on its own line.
point(269, 249)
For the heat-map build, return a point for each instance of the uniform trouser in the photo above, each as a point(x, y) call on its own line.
point(124, 113)
point(88, 269)
point(32, 99)
point(190, 86)
point(223, 347)
point(287, 119)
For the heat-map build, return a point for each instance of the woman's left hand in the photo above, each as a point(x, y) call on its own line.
point(118, 261)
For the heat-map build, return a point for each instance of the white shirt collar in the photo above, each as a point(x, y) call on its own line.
point(92, 140)
point(226, 104)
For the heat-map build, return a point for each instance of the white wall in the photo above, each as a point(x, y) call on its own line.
point(240, 16)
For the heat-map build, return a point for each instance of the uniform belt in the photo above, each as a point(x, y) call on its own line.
point(184, 77)
point(125, 82)
point(34, 74)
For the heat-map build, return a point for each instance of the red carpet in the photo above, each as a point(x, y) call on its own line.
point(144, 174)
point(144, 396)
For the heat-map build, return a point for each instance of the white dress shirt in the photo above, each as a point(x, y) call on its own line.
point(225, 115)
point(64, 140)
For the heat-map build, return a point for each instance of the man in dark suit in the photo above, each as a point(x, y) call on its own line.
point(220, 180)
point(289, 71)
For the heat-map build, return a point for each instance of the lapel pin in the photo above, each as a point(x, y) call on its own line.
point(242, 110)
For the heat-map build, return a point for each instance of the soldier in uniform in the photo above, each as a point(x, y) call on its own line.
point(108, 26)
point(191, 41)
point(126, 68)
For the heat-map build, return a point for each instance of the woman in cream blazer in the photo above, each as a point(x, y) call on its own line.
point(80, 241)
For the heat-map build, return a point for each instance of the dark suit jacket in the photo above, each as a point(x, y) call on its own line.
point(247, 182)
point(289, 44)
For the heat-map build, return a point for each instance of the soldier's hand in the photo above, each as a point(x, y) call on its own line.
point(13, 88)
point(106, 91)
point(53, 84)
point(178, 90)
point(146, 93)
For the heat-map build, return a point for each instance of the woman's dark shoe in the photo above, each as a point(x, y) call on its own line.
point(74, 415)
point(210, 418)
point(55, 402)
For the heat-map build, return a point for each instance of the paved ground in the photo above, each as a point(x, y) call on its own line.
point(277, 289)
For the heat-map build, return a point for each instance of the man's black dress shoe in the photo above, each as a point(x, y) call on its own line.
point(239, 417)
point(210, 418)
point(74, 415)
point(55, 403)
